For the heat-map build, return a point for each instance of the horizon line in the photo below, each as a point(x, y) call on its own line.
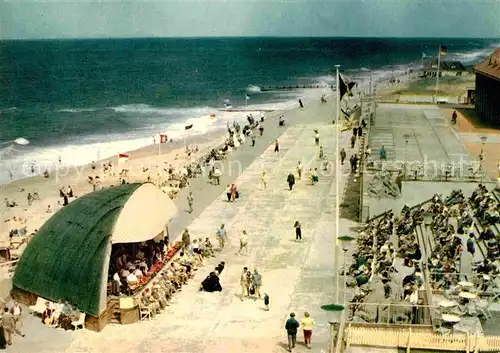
point(237, 37)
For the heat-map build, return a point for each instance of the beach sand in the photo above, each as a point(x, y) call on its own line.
point(150, 157)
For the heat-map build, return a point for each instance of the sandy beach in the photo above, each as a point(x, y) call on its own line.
point(148, 162)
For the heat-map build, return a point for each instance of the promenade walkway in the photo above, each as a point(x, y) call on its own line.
point(298, 276)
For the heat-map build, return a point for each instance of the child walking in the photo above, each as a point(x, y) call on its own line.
point(298, 231)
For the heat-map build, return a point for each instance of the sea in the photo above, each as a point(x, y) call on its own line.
point(80, 100)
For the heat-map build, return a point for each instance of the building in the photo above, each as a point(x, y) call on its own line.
point(487, 96)
point(69, 257)
point(446, 68)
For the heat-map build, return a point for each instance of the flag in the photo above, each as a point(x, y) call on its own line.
point(346, 84)
point(424, 55)
point(442, 50)
point(163, 138)
point(122, 157)
point(247, 97)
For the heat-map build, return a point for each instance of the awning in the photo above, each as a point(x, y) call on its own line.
point(144, 216)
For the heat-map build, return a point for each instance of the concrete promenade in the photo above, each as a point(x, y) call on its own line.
point(297, 276)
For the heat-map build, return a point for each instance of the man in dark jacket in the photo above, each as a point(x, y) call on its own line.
point(291, 327)
point(291, 181)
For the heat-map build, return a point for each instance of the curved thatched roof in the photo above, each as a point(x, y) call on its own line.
point(66, 259)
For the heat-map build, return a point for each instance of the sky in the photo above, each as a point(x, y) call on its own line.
point(41, 19)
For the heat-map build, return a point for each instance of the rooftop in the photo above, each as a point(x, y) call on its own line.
point(490, 66)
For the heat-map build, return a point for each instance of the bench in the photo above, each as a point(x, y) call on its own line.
point(39, 307)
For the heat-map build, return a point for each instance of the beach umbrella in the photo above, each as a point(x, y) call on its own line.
point(21, 141)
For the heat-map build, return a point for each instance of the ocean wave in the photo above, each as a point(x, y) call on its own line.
point(253, 89)
point(78, 110)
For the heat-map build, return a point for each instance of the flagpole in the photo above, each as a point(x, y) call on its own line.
point(337, 187)
point(437, 75)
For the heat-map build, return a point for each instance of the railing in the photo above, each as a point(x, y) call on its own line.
point(7, 269)
point(418, 338)
point(476, 279)
point(392, 314)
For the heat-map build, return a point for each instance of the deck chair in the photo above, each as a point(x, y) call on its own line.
point(39, 307)
point(483, 306)
point(145, 313)
point(80, 324)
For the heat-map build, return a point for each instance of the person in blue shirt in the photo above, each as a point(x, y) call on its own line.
point(291, 327)
point(383, 153)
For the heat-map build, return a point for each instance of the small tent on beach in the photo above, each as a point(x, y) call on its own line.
point(68, 259)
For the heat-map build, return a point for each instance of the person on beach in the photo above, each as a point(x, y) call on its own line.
point(93, 165)
point(353, 141)
point(299, 169)
point(291, 327)
point(243, 243)
point(221, 236)
point(343, 155)
point(276, 146)
point(263, 179)
point(316, 138)
point(298, 231)
point(307, 327)
point(291, 181)
point(321, 153)
point(30, 199)
point(190, 201)
point(49, 209)
point(228, 192)
point(300, 103)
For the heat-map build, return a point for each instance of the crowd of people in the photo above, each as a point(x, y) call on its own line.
point(388, 240)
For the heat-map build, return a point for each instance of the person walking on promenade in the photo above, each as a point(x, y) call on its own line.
point(9, 326)
point(355, 131)
point(256, 283)
point(186, 239)
point(383, 154)
point(16, 312)
point(276, 146)
point(298, 231)
point(291, 327)
point(399, 181)
point(368, 153)
point(261, 130)
point(228, 192)
point(353, 141)
point(290, 179)
point(316, 137)
point(307, 327)
point(343, 154)
point(221, 236)
point(360, 131)
point(245, 280)
point(470, 244)
point(234, 192)
point(299, 169)
point(243, 243)
point(190, 201)
point(263, 179)
point(252, 136)
point(321, 153)
point(266, 301)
